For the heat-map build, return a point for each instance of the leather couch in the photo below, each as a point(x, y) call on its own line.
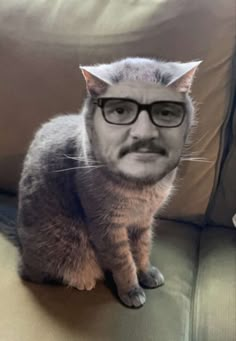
point(42, 44)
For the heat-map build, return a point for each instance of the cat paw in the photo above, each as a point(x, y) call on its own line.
point(85, 285)
point(153, 278)
point(135, 298)
point(84, 279)
point(81, 281)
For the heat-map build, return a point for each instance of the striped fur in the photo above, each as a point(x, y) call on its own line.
point(77, 219)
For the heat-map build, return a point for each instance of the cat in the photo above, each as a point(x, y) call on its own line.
point(92, 182)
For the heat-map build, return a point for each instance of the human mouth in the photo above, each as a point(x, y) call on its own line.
point(144, 151)
point(145, 155)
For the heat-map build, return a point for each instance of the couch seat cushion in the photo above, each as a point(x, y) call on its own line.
point(42, 312)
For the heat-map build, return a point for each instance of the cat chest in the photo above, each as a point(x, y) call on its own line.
point(137, 210)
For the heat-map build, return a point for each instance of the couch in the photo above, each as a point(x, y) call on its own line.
point(42, 44)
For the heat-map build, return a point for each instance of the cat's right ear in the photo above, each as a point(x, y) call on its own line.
point(96, 86)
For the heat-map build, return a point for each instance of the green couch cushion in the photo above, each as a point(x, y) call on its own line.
point(215, 296)
point(197, 302)
point(39, 312)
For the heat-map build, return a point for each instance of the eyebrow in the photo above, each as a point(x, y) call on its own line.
point(149, 102)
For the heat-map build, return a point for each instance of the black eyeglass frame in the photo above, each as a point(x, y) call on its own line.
point(101, 101)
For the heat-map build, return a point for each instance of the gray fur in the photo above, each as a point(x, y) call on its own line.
point(78, 218)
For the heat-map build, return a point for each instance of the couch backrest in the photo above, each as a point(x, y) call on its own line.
point(43, 43)
point(222, 207)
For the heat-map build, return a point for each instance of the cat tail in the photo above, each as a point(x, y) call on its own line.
point(8, 229)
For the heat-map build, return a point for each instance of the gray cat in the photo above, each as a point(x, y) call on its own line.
point(92, 182)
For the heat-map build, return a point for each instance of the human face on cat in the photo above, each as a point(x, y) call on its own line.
point(140, 151)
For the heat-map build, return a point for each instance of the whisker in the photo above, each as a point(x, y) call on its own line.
point(79, 167)
point(195, 159)
point(80, 158)
point(194, 142)
point(187, 152)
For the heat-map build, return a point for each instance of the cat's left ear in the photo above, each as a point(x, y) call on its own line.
point(94, 83)
point(184, 80)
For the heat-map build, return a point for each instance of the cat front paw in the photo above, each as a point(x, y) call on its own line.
point(152, 278)
point(135, 298)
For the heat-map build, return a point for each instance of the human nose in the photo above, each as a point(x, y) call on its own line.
point(143, 128)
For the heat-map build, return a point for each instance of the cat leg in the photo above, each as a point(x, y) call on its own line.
point(59, 252)
point(140, 240)
point(114, 252)
point(81, 275)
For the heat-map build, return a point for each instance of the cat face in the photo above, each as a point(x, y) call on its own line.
point(145, 145)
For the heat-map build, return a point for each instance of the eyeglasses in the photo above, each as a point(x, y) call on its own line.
point(123, 111)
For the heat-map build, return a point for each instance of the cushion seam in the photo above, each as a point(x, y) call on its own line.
point(194, 292)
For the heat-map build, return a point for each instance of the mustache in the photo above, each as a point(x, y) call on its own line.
point(147, 144)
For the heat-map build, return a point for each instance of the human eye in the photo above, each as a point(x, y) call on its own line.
point(167, 113)
point(119, 107)
point(120, 111)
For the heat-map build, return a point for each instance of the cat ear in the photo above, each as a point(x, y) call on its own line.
point(95, 84)
point(183, 82)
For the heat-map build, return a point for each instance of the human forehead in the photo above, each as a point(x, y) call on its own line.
point(144, 92)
